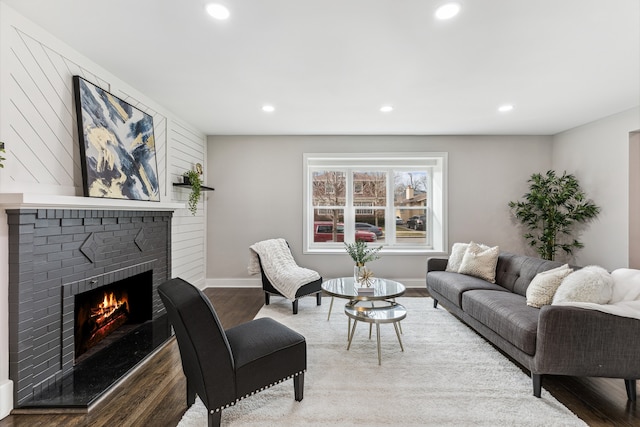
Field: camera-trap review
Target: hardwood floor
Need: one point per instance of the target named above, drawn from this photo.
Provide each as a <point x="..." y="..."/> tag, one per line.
<point x="154" y="395"/>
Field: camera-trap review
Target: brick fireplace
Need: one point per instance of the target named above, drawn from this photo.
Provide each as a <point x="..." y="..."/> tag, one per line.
<point x="56" y="255"/>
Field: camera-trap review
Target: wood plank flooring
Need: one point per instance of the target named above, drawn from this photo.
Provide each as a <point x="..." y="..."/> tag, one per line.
<point x="154" y="395"/>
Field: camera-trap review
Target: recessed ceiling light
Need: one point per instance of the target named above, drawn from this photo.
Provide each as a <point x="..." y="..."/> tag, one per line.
<point x="505" y="108"/>
<point x="268" y="108"/>
<point x="218" y="11"/>
<point x="447" y="11"/>
<point x="386" y="108"/>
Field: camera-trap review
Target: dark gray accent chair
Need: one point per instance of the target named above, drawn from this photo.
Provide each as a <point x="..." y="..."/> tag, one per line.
<point x="310" y="288"/>
<point x="224" y="366"/>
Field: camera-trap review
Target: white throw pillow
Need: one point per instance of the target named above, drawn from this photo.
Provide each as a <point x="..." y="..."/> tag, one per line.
<point x="457" y="253"/>
<point x="626" y="285"/>
<point x="455" y="259"/>
<point x="480" y="262"/>
<point x="544" y="286"/>
<point x="589" y="284"/>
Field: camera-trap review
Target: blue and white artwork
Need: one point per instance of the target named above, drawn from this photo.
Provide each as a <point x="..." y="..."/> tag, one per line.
<point x="116" y="144"/>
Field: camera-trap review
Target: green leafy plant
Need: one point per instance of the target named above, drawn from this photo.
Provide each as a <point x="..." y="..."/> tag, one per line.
<point x="194" y="180"/>
<point x="2" y="159"/>
<point x="550" y="212"/>
<point x="361" y="253"/>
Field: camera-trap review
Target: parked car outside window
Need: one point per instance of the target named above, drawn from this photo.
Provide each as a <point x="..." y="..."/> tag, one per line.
<point x="411" y="222"/>
<point x="399" y="220"/>
<point x="369" y="227"/>
<point x="416" y="222"/>
<point x="323" y="232"/>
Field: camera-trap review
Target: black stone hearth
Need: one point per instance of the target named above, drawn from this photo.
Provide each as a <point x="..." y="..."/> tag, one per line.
<point x="91" y="379"/>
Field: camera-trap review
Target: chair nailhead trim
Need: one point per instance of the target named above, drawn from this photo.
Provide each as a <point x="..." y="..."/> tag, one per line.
<point x="257" y="391"/>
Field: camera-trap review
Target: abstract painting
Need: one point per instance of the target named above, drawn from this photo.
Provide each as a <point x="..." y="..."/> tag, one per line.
<point x="117" y="146"/>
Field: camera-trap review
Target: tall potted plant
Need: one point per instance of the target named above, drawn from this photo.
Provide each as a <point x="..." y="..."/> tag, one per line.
<point x="550" y="211"/>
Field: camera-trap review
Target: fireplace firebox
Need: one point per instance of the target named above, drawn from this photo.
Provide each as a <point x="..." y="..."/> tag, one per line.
<point x="105" y="314"/>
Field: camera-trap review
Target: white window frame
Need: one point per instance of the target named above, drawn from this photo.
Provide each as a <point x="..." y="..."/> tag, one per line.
<point x="435" y="163"/>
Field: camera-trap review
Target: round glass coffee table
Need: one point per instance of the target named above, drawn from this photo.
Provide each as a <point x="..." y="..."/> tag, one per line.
<point x="383" y="290"/>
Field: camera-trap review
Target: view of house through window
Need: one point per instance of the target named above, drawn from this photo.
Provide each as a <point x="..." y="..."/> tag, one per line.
<point x="390" y="200"/>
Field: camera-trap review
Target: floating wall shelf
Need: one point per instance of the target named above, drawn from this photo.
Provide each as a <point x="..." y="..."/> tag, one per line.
<point x="202" y="187"/>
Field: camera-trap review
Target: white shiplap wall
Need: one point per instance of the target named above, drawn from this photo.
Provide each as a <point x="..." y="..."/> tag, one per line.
<point x="187" y="148"/>
<point x="38" y="126"/>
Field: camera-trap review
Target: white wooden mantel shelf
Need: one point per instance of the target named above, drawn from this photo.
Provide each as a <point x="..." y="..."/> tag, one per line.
<point x="51" y="201"/>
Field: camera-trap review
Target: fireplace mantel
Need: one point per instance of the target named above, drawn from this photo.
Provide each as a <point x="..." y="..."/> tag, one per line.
<point x="50" y="201"/>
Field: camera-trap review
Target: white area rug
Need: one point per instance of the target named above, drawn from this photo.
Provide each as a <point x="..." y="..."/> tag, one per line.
<point x="447" y="376"/>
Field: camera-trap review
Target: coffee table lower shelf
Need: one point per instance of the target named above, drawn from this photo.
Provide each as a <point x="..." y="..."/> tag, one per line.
<point x="391" y="313"/>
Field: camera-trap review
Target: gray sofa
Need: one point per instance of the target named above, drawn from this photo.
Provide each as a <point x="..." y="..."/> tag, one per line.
<point x="555" y="340"/>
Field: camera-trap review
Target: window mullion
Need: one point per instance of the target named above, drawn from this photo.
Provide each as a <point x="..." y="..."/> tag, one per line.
<point x="350" y="210"/>
<point x="390" y="214"/>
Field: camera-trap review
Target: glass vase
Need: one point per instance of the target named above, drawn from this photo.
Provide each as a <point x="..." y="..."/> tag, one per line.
<point x="358" y="269"/>
<point x="362" y="276"/>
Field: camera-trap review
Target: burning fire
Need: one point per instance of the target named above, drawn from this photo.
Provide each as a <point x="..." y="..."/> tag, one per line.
<point x="107" y="307"/>
<point x="97" y="319"/>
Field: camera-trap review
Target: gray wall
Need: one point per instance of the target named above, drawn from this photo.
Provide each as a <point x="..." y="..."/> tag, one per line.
<point x="598" y="154"/>
<point x="258" y="181"/>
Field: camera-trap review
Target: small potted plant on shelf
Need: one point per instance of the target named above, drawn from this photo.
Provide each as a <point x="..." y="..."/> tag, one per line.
<point x="192" y="178"/>
<point x="361" y="254"/>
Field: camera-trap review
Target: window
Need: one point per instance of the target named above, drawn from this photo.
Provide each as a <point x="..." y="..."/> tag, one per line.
<point x="363" y="211"/>
<point x="396" y="200"/>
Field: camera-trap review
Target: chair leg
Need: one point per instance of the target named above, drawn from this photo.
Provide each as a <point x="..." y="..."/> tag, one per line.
<point x="630" y="385"/>
<point x="295" y="307"/>
<point x="191" y="394"/>
<point x="298" y="386"/>
<point x="214" y="419"/>
<point x="267" y="298"/>
<point x="537" y="384"/>
<point x="319" y="298"/>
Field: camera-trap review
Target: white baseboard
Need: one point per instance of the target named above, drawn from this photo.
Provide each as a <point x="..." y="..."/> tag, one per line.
<point x="6" y="398"/>
<point x="257" y="283"/>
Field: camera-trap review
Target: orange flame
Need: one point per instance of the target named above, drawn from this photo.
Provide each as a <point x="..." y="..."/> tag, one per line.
<point x="108" y="306"/>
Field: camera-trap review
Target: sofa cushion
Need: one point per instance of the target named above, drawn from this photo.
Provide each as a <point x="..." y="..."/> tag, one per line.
<point x="515" y="272"/>
<point x="506" y="314"/>
<point x="480" y="262"/>
<point x="453" y="285"/>
<point x="544" y="286"/>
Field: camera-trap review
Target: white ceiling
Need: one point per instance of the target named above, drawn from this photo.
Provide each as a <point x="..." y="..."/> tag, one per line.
<point x="329" y="65"/>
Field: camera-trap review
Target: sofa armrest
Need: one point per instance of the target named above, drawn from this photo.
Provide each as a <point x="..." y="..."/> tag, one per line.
<point x="436" y="264"/>
<point x="582" y="342"/>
